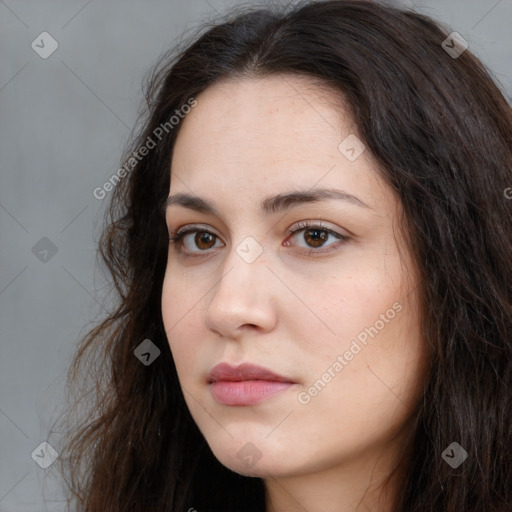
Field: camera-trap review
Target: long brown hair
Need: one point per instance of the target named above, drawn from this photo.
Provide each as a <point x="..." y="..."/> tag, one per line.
<point x="441" y="131"/>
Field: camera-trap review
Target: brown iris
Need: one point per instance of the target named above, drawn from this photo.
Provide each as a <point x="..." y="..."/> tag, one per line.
<point x="315" y="237"/>
<point x="204" y="238"/>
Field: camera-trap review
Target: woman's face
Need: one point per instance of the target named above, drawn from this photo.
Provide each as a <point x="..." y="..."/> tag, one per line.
<point x="328" y="315"/>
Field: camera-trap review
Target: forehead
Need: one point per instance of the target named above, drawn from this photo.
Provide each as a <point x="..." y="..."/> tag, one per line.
<point x="259" y="135"/>
<point x="268" y="117"/>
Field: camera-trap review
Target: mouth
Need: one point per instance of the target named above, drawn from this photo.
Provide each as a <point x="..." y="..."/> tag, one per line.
<point x="246" y="384"/>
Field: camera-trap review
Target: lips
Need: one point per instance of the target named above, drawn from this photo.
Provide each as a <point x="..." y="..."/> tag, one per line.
<point x="245" y="371"/>
<point x="245" y="384"/>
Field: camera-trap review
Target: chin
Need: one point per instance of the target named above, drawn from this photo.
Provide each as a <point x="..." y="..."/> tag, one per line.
<point x="261" y="468"/>
<point x="257" y="457"/>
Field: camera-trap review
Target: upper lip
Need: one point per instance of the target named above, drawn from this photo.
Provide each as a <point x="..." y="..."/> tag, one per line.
<point x="244" y="371"/>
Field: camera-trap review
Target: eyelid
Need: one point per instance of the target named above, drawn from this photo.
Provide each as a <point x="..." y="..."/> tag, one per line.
<point x="295" y="227"/>
<point x="177" y="237"/>
<point x="310" y="224"/>
<point x="192" y="227"/>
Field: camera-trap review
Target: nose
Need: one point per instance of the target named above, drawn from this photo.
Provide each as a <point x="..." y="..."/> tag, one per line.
<point x="243" y="298"/>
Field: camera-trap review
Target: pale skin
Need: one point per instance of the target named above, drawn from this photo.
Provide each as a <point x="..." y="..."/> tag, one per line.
<point x="288" y="311"/>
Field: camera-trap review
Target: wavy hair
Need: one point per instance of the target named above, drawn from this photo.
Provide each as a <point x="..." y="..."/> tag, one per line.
<point x="441" y="131"/>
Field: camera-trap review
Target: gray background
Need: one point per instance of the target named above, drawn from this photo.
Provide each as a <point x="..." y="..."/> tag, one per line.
<point x="63" y="123"/>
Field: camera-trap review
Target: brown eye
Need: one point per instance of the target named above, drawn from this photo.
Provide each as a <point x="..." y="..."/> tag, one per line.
<point x="315" y="237"/>
<point x="194" y="241"/>
<point x="204" y="240"/>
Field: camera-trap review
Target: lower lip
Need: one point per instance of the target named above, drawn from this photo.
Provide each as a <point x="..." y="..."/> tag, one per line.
<point x="246" y="392"/>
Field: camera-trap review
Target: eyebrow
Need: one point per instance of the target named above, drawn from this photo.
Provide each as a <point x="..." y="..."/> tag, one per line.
<point x="270" y="205"/>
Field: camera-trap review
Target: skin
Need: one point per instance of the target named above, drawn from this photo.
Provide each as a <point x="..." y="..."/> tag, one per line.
<point x="288" y="311"/>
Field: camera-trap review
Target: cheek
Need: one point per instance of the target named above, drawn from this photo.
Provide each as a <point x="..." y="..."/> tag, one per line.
<point x="179" y="310"/>
<point x="373" y="322"/>
<point x="357" y="305"/>
<point x="180" y="298"/>
<point x="170" y="304"/>
<point x="382" y="360"/>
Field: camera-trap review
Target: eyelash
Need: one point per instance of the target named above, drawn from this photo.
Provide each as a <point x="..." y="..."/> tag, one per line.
<point x="301" y="226"/>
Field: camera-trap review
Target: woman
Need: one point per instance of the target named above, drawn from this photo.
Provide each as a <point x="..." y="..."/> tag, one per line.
<point x="311" y="244"/>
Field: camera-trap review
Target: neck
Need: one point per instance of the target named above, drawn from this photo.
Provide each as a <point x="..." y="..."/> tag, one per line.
<point x="360" y="485"/>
